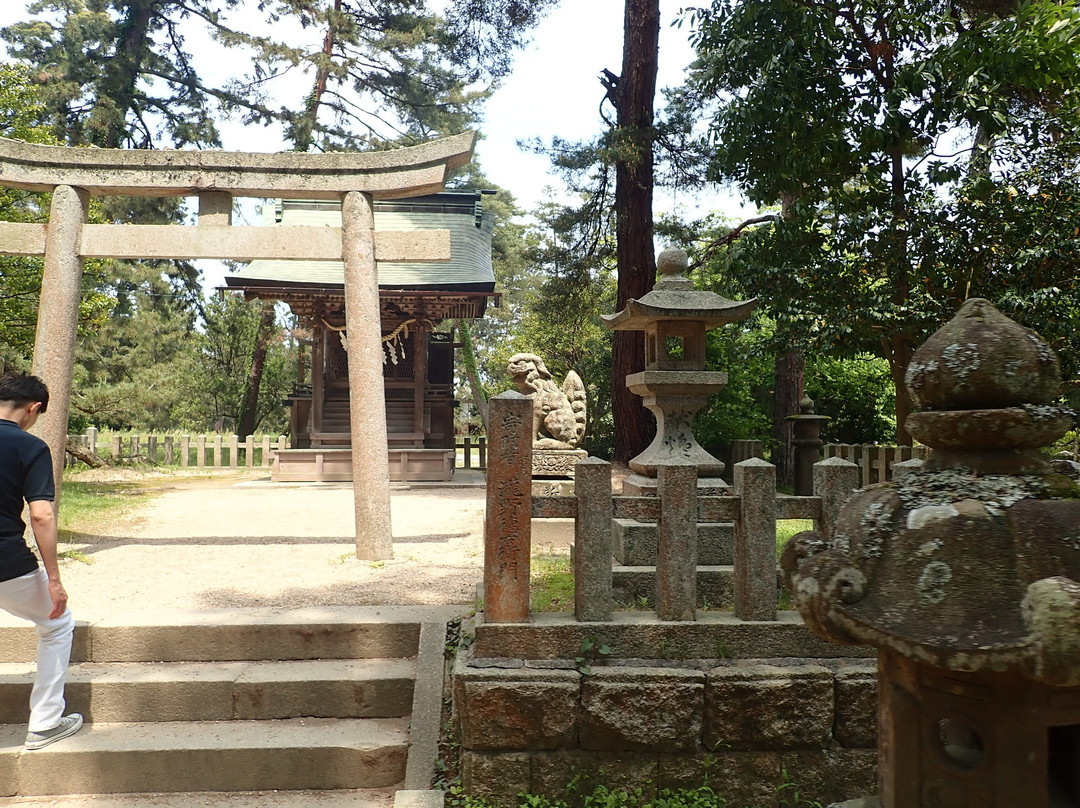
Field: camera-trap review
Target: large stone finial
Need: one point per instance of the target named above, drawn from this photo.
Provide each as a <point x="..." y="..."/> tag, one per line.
<point x="984" y="386"/>
<point x="935" y="566"/>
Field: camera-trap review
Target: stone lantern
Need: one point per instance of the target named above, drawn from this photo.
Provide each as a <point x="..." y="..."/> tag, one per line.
<point x="963" y="574"/>
<point x="674" y="384"/>
<point x="806" y="427"/>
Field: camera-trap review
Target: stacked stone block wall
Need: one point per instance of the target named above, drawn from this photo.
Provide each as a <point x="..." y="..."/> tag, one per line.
<point x="756" y="731"/>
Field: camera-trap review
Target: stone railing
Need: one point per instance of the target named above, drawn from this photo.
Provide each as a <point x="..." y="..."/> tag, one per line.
<point x="199" y="451"/>
<point x="875" y="462"/>
<point x="753" y="507"/>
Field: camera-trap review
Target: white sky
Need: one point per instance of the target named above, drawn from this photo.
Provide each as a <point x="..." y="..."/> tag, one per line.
<point x="552" y="91"/>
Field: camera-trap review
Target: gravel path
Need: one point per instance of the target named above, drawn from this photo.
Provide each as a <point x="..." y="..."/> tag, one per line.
<point x="221" y="543"/>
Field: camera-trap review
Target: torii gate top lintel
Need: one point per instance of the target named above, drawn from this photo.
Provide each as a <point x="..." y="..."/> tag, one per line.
<point x="403" y="172"/>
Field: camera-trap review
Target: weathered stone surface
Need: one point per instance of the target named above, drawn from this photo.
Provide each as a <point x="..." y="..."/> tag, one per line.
<point x="507" y="520"/>
<point x="573" y="774"/>
<point x="714" y="635"/>
<point x="982" y="359"/>
<point x="855" y="721"/>
<point x="367" y="401"/>
<point x="558" y="412"/>
<point x="389" y="173"/>
<point x="768" y="707"/>
<point x="642" y="709"/>
<point x="517" y="709"/>
<point x="496" y="777"/>
<point x="747" y="779"/>
<point x="676" y="555"/>
<point x="905" y="467"/>
<point x="829" y="775"/>
<point x="592" y="542"/>
<point x="58" y="319"/>
<point x="556" y="462"/>
<point x="834" y="480"/>
<point x="635" y="543"/>
<point x="755" y="540"/>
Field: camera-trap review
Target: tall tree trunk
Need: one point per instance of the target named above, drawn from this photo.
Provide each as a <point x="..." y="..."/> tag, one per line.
<point x="787" y="393"/>
<point x="301" y="130"/>
<point x="468" y="356"/>
<point x="900" y="351"/>
<point x="633" y="96"/>
<point x="117" y="95"/>
<point x="258" y="359"/>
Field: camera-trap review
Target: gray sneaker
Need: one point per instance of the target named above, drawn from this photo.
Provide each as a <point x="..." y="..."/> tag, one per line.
<point x="68" y="726"/>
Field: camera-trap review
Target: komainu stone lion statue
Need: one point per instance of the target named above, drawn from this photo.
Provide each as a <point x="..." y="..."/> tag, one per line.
<point x="558" y="414"/>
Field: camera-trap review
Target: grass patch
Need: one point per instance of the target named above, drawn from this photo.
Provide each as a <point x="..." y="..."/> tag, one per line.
<point x="86" y="507"/>
<point x="552" y="583"/>
<point x="76" y="555"/>
<point x="786" y="528"/>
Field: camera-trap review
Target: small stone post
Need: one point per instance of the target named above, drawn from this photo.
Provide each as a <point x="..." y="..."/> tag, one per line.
<point x="234" y="451"/>
<point x="267" y="454"/>
<point x="834" y="480"/>
<point x="217" y="451"/>
<point x="592" y="540"/>
<point x="58" y="319"/>
<point x="200" y="451"/>
<point x="185" y="450"/>
<point x="676" y="558"/>
<point x="755" y="540"/>
<point x="117" y="448"/>
<point x="367" y="407"/>
<point x="905" y="467"/>
<point x="508" y="518"/>
<point x="249" y="451"/>
<point x="91" y="440"/>
<point x="170" y="454"/>
<point x="151" y="449"/>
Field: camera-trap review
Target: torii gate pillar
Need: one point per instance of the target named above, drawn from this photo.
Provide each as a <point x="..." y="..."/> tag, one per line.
<point x="367" y="398"/>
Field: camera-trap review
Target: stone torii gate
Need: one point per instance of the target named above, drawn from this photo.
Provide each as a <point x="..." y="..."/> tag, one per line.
<point x="73" y="175"/>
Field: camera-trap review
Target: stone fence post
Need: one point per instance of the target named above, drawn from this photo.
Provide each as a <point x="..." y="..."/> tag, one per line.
<point x="91" y="440"/>
<point x="834" y="480"/>
<point x="507" y="519"/>
<point x="755" y="540"/>
<point x="592" y="540"/>
<point x="676" y="557"/>
<point x="905" y="467"/>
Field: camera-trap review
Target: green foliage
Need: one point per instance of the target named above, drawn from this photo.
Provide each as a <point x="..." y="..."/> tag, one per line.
<point x="919" y="154"/>
<point x="592" y="650"/>
<point x="856" y="394"/>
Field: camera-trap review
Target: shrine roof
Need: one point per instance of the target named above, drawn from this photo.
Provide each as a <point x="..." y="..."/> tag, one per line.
<point x="460" y="213"/>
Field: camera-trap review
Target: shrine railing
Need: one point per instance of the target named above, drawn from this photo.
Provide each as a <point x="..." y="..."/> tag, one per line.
<point x="875" y="462"/>
<point x="753" y="507"/>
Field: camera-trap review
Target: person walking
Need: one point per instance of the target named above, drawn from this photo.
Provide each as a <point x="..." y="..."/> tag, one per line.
<point x="26" y="590"/>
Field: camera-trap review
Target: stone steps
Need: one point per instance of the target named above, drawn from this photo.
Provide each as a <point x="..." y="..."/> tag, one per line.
<point x="342" y="798"/>
<point x="296" y="753"/>
<point x="230" y="702"/>
<point x="222" y="691"/>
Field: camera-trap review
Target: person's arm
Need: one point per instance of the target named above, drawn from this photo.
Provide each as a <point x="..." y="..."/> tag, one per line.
<point x="43" y="520"/>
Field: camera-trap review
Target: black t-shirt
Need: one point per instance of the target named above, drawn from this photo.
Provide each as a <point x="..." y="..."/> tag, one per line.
<point x="25" y="475"/>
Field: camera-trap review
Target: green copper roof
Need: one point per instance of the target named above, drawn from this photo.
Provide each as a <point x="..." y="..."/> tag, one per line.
<point x="460" y="213"/>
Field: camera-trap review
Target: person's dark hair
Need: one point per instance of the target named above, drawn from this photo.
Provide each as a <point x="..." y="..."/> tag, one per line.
<point x="22" y="388"/>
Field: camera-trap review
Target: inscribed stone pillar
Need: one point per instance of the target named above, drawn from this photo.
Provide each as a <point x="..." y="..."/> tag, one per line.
<point x="58" y="318"/>
<point x="367" y="398"/>
<point x="755" y="540"/>
<point x="676" y="558"/>
<point x="592" y="540"/>
<point x="508" y="518"/>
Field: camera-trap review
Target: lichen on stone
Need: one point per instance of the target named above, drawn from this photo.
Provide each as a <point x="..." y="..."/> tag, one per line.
<point x="962" y="360"/>
<point x="1046" y="355"/>
<point x="997" y="492"/>
<point x="930" y="547"/>
<point x="931" y="584"/>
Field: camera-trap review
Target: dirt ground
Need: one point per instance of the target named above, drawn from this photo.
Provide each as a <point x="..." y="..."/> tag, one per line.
<point x="242" y="541"/>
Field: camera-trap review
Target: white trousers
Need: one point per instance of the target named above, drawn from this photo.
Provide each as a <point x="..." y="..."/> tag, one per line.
<point x="28" y="597"/>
